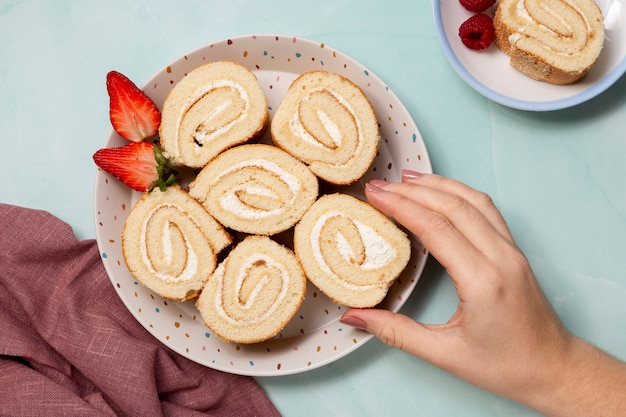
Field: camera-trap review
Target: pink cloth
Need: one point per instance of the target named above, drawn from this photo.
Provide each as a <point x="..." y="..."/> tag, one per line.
<point x="69" y="347"/>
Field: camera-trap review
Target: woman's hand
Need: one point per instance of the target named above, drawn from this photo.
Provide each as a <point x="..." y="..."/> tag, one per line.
<point x="504" y="336"/>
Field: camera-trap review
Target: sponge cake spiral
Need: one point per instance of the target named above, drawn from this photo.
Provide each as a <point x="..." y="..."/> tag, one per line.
<point x="254" y="292"/>
<point x="214" y="107"/>
<point x="170" y="243"/>
<point x="256" y="189"/>
<point x="349" y="250"/>
<point x="556" y="41"/>
<point x="326" y="121"/>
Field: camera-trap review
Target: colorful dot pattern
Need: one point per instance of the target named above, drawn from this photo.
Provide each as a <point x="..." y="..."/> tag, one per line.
<point x="315" y="336"/>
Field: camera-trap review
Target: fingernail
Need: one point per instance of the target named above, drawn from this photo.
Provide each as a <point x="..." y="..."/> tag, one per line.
<point x="374" y="186"/>
<point x="354" y="322"/>
<point x="408" y="174"/>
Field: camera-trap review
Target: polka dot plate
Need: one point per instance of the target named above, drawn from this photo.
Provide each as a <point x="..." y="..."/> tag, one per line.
<point x="314" y="337"/>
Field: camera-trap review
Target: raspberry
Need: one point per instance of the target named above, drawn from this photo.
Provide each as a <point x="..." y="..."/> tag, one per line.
<point x="477" y="5"/>
<point x="477" y="32"/>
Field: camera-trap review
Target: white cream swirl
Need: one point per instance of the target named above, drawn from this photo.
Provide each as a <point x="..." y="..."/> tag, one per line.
<point x="234" y="200"/>
<point x="210" y="112"/>
<point x="254" y="292"/>
<point x="170" y="243"/>
<point x="567" y="34"/>
<point x="361" y="252"/>
<point x="243" y="304"/>
<point x="327" y="121"/>
<point x="349" y="250"/>
<point x="255" y="189"/>
<point x="163" y="229"/>
<point x="217" y="105"/>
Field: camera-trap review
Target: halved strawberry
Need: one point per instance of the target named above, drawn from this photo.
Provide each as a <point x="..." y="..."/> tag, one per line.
<point x="133" y="114"/>
<point x="139" y="165"/>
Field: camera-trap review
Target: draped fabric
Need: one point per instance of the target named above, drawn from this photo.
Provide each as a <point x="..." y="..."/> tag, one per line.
<point x="69" y="347"/>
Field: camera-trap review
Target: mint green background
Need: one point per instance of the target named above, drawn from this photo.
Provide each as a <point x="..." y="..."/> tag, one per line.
<point x="559" y="177"/>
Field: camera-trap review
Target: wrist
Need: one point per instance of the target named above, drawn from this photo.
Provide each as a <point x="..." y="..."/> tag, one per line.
<point x="583" y="381"/>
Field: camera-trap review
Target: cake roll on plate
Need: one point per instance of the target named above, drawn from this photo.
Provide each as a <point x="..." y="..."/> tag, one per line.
<point x="254" y="292"/>
<point x="349" y="250"/>
<point x="170" y="243"/>
<point x="214" y="107"/>
<point x="326" y="121"/>
<point x="557" y="41"/>
<point x="255" y="189"/>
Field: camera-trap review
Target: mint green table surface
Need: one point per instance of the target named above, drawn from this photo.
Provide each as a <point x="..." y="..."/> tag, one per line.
<point x="559" y="177"/>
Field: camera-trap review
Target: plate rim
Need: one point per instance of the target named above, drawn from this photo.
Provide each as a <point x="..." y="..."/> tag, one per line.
<point x="593" y="91"/>
<point x="363" y="336"/>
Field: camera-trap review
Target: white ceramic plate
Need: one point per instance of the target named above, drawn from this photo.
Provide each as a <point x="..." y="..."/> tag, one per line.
<point x="488" y="71"/>
<point x="315" y="336"/>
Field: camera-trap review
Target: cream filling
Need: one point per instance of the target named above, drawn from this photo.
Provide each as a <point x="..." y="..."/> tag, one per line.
<point x="218" y="275"/>
<point x="201" y="91"/>
<point x="378" y="252"/>
<point x="522" y="12"/>
<point x="333" y="130"/>
<point x="231" y="202"/>
<point x="331" y="127"/>
<point x="191" y="268"/>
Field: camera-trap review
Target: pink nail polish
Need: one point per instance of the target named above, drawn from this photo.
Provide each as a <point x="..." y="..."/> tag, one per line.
<point x="373" y="187"/>
<point x="354" y="322"/>
<point x="408" y="174"/>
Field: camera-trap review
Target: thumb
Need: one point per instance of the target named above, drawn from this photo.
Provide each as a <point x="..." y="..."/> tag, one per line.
<point x="401" y="332"/>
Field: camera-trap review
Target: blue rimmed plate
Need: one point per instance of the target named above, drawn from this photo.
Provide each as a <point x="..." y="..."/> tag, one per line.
<point x="489" y="73"/>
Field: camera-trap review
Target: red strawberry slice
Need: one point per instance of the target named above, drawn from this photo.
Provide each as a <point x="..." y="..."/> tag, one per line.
<point x="133" y="114"/>
<point x="139" y="165"/>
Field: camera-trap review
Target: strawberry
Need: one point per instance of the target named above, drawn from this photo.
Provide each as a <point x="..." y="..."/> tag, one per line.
<point x="139" y="165"/>
<point x="133" y="114"/>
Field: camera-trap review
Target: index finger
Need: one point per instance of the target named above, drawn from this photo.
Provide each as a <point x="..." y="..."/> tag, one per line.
<point x="482" y="201"/>
<point x="438" y="234"/>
